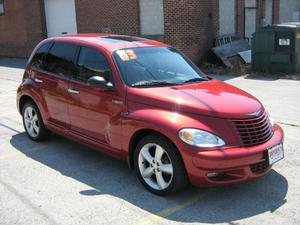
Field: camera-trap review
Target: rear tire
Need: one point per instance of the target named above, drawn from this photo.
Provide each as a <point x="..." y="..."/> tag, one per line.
<point x="159" y="166"/>
<point x="33" y="123"/>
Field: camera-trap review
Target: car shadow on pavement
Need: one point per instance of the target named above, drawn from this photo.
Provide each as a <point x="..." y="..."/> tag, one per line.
<point x="109" y="176"/>
<point x="262" y="77"/>
<point x="18" y="63"/>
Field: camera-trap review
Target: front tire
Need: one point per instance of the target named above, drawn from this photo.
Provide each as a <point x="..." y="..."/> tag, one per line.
<point x="33" y="123"/>
<point x="159" y="166"/>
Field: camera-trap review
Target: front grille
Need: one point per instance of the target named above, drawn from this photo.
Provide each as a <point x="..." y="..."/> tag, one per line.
<point x="254" y="131"/>
<point x="260" y="167"/>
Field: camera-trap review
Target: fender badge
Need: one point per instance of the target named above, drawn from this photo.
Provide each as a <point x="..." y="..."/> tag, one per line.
<point x="255" y="113"/>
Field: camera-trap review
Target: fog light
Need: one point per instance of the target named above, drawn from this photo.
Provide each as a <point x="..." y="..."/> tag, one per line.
<point x="212" y="175"/>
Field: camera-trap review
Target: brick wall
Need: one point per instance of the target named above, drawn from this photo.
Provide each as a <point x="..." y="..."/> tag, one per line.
<point x="276" y="8"/>
<point x="191" y="26"/>
<point x="35" y="23"/>
<point x="13" y="36"/>
<point x="21" y="28"/>
<point x="240" y="16"/>
<point x="260" y="11"/>
<point x="108" y="16"/>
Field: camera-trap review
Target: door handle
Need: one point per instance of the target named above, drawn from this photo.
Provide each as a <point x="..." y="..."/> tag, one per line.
<point x="37" y="80"/>
<point x="117" y="102"/>
<point x="73" y="91"/>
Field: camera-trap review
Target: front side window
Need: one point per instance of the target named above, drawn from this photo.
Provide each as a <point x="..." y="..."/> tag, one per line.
<point x="91" y="63"/>
<point x="60" y="59"/>
<point x="2" y="11"/>
<point x="156" y="66"/>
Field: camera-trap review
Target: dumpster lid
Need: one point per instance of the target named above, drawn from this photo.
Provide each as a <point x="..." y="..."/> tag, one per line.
<point x="291" y="25"/>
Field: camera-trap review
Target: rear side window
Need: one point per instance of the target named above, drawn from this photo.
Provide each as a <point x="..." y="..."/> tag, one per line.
<point x="60" y="59"/>
<point x="91" y="63"/>
<point x="38" y="61"/>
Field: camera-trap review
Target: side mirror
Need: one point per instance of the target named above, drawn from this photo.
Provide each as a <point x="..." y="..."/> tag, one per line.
<point x="100" y="82"/>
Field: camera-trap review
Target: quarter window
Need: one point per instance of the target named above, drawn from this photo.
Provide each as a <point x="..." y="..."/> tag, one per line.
<point x="38" y="60"/>
<point x="91" y="63"/>
<point x="60" y="59"/>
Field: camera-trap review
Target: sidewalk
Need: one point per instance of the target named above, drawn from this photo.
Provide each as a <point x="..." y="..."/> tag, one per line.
<point x="12" y="68"/>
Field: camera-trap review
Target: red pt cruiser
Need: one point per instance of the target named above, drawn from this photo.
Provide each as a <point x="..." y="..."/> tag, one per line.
<point x="145" y="102"/>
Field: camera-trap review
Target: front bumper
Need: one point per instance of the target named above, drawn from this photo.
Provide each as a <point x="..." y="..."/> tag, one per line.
<point x="232" y="165"/>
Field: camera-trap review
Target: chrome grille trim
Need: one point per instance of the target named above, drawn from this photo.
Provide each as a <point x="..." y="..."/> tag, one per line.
<point x="254" y="131"/>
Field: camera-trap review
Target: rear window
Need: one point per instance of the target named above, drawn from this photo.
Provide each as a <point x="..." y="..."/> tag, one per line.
<point x="60" y="59"/>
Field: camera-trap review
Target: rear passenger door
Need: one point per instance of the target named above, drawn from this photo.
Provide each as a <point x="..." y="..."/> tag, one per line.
<point x="93" y="111"/>
<point x="53" y="78"/>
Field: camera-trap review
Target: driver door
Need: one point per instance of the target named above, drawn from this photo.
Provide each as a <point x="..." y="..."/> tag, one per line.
<point x="93" y="111"/>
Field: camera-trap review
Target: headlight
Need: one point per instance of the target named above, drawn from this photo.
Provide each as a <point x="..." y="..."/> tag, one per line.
<point x="200" y="138"/>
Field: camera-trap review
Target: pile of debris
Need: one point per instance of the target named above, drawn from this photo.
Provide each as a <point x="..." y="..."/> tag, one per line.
<point x="232" y="50"/>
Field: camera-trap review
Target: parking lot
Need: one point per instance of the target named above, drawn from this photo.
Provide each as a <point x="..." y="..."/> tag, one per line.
<point x="62" y="182"/>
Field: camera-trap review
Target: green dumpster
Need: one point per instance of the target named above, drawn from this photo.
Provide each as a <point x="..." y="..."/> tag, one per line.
<point x="277" y="48"/>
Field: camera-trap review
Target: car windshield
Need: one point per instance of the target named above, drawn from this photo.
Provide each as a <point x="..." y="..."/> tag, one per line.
<point x="156" y="66"/>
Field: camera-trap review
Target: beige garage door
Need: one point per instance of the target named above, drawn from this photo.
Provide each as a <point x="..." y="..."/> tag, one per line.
<point x="60" y="17"/>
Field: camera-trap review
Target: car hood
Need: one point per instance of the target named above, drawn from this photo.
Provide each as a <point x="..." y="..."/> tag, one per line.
<point x="212" y="98"/>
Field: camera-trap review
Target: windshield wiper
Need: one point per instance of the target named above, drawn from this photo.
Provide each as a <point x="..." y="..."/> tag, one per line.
<point x="195" y="80"/>
<point x="152" y="83"/>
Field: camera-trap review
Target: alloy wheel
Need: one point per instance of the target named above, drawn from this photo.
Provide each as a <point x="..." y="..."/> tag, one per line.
<point x="31" y="121"/>
<point x="155" y="166"/>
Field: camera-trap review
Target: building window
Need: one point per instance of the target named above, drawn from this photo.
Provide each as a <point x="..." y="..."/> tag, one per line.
<point x="1" y="7"/>
<point x="227" y="17"/>
<point x="152" y="17"/>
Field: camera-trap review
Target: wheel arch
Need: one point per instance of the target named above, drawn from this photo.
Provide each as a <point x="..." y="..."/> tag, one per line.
<point x="26" y="98"/>
<point x="138" y="135"/>
<point x="23" y="100"/>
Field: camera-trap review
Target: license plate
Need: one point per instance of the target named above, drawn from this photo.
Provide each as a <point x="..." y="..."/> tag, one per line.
<point x="275" y="153"/>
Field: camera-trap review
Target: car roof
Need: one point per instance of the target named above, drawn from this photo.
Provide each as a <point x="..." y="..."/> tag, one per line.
<point x="110" y="42"/>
